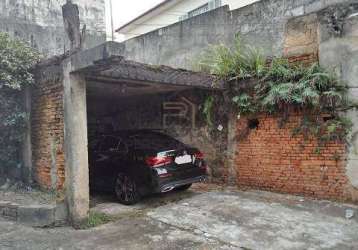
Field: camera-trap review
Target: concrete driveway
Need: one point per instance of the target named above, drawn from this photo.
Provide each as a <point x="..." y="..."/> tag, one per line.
<point x="209" y="220"/>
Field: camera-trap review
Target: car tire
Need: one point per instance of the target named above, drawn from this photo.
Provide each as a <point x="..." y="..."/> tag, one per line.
<point x="184" y="187"/>
<point x="126" y="189"/>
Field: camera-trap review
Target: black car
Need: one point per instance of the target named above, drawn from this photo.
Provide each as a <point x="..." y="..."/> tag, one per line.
<point x="136" y="163"/>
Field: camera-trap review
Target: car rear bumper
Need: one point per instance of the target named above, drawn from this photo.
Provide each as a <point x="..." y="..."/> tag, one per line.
<point x="171" y="185"/>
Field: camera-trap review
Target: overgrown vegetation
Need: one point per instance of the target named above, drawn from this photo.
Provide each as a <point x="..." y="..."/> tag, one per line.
<point x="16" y="61"/>
<point x="255" y="86"/>
<point x="96" y="219"/>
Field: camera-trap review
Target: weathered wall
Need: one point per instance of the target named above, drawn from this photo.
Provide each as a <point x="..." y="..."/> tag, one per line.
<point x="166" y="17"/>
<point x="47" y="127"/>
<point x="332" y="35"/>
<point x="270" y="157"/>
<point x="339" y="51"/>
<point x="39" y="22"/>
<point x="262" y="24"/>
<point x="150" y="112"/>
<point x="329" y="35"/>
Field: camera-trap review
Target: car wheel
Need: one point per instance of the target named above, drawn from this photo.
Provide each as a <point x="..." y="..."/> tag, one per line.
<point x="126" y="190"/>
<point x="184" y="187"/>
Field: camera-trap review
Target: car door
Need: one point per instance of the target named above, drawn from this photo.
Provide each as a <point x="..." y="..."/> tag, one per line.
<point x="102" y="162"/>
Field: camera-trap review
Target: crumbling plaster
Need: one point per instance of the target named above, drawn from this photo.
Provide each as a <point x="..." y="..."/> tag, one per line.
<point x="40" y="23"/>
<point x="340" y="52"/>
<point x="262" y="24"/>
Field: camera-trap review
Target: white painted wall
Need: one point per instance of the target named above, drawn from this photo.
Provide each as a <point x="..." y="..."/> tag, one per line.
<point x="236" y="4"/>
<point x="172" y="15"/>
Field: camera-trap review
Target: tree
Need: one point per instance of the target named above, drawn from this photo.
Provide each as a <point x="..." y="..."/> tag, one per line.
<point x="16" y="63"/>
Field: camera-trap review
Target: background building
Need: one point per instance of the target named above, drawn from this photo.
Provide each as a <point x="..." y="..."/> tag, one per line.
<point x="172" y="11"/>
<point x="40" y="23"/>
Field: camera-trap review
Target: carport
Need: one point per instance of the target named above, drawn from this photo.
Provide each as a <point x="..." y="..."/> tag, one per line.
<point x="102" y="76"/>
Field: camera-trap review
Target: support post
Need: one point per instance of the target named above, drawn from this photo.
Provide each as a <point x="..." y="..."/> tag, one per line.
<point x="27" y="147"/>
<point x="76" y="153"/>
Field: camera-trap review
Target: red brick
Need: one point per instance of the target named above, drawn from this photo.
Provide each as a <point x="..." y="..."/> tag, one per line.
<point x="270" y="158"/>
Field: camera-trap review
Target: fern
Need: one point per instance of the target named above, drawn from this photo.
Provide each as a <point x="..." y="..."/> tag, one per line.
<point x="244" y="103"/>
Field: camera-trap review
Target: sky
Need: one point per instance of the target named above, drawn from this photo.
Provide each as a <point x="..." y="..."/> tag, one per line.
<point x="124" y="11"/>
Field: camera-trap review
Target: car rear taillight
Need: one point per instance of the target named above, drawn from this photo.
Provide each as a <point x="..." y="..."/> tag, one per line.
<point x="157" y="161"/>
<point x="199" y="159"/>
<point x="199" y="155"/>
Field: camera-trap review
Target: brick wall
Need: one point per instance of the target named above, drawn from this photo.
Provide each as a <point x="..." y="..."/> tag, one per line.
<point x="48" y="127"/>
<point x="301" y="40"/>
<point x="270" y="158"/>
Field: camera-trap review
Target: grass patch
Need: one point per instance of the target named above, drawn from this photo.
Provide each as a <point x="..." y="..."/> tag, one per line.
<point x="96" y="219"/>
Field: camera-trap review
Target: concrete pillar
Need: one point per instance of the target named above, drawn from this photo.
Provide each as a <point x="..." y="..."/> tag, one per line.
<point x="27" y="147"/>
<point x="76" y="154"/>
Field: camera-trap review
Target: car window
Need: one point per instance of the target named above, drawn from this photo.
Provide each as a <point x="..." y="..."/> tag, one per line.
<point x="109" y="143"/>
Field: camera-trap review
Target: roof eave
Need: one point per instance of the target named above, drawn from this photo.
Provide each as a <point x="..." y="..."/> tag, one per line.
<point x="130" y="25"/>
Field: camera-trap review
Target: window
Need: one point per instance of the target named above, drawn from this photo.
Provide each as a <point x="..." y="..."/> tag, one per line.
<point x="211" y="5"/>
<point x="202" y="9"/>
<point x="214" y="4"/>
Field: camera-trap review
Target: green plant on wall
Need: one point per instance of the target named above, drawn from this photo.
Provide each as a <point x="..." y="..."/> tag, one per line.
<point x="256" y="86"/>
<point x="16" y="62"/>
<point x="208" y="109"/>
<point x="239" y="62"/>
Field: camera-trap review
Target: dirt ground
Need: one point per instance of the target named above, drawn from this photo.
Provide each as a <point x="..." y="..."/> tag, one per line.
<point x="205" y="217"/>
